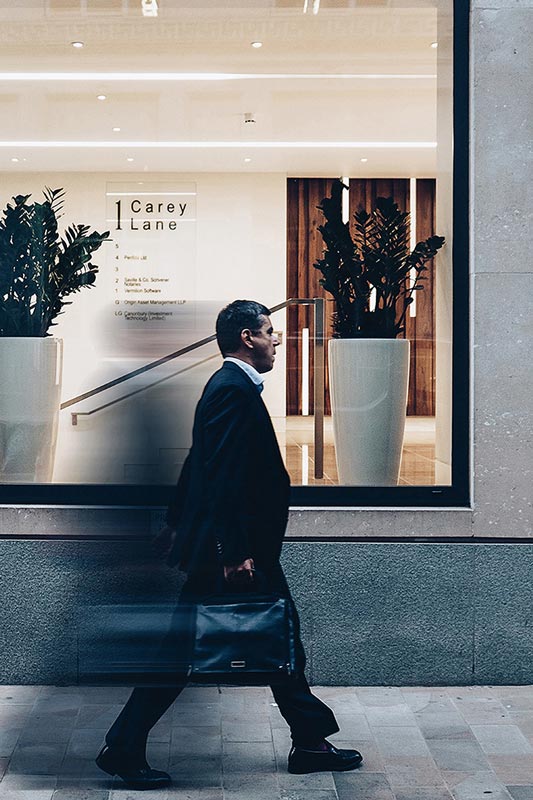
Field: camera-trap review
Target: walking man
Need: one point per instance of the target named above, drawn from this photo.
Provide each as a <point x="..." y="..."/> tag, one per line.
<point x="234" y="491"/>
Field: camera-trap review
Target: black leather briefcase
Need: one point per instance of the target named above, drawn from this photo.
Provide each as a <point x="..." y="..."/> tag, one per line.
<point x="243" y="639"/>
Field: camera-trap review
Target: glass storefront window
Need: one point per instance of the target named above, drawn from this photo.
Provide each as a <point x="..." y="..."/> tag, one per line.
<point x="204" y="138"/>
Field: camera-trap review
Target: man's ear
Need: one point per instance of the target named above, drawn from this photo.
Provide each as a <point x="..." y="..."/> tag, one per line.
<point x="246" y="338"/>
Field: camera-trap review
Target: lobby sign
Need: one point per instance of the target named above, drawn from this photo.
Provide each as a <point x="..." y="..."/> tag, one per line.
<point x="152" y="259"/>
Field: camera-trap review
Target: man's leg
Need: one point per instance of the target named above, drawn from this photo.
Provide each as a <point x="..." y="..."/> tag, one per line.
<point x="125" y="751"/>
<point x="309" y="719"/>
<point x="145" y="706"/>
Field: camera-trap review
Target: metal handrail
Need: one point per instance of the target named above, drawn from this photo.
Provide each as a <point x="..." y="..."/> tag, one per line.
<point x="318" y="376"/>
<point x="136" y="372"/>
<point x="76" y="414"/>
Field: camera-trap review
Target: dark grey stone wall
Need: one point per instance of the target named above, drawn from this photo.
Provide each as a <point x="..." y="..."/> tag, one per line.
<point x="372" y="614"/>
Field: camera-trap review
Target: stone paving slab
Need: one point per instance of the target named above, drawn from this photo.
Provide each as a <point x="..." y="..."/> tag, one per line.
<point x="419" y="743"/>
<point x="521" y="792"/>
<point x="423" y="794"/>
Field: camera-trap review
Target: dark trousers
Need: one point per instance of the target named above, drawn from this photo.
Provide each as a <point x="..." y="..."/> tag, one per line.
<point x="309" y="719"/>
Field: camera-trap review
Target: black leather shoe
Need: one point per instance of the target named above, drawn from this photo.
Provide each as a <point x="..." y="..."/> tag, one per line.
<point x="302" y="761"/>
<point x="137" y="776"/>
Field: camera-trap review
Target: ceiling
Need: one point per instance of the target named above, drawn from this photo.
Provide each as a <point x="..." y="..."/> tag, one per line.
<point x="355" y="81"/>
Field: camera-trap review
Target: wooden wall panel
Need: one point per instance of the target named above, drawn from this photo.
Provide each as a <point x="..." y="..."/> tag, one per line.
<point x="364" y="191"/>
<point x="305" y="246"/>
<point x="421" y="328"/>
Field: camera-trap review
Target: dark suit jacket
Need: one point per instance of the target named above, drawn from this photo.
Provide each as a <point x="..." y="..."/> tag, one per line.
<point x="234" y="486"/>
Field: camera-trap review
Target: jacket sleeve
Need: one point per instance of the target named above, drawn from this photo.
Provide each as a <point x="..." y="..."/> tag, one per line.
<point x="229" y="464"/>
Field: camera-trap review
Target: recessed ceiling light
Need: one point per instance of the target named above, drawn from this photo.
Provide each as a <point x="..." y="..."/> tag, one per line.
<point x="102" y="97"/>
<point x="434" y="45"/>
<point x="129" y="158"/>
<point x="14" y="159"/>
<point x="77" y="45"/>
<point x="247" y="160"/>
<point x="116" y="130"/>
<point x="149" y="8"/>
<point x="257" y="45"/>
<point x="364" y="160"/>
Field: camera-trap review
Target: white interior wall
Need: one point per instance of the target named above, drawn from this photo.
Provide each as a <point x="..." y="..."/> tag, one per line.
<point x="240" y="253"/>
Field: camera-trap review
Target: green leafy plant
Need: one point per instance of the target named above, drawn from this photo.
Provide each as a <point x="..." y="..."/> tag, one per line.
<point x="38" y="268"/>
<point x="373" y="274"/>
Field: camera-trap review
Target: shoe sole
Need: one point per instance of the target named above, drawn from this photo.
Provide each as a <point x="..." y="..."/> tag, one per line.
<point x="133" y="784"/>
<point x="100" y="762"/>
<point x="344" y="768"/>
<point x="141" y="787"/>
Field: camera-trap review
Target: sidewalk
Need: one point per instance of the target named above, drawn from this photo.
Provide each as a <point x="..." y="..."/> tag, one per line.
<point x="467" y="743"/>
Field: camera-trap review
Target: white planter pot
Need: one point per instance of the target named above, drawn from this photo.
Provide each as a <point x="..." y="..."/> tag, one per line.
<point x="368" y="386"/>
<point x="30" y="389"/>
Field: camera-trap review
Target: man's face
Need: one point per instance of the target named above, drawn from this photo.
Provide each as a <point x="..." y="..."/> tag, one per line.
<point x="264" y="342"/>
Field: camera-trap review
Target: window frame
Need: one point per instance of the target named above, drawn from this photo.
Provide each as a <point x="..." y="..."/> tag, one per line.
<point x="455" y="495"/>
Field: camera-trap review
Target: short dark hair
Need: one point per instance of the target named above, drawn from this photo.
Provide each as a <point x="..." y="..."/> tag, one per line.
<point x="235" y="318"/>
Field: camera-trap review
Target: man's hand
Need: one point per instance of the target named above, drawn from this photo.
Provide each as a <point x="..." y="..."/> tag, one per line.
<point x="163" y="542"/>
<point x="241" y="573"/>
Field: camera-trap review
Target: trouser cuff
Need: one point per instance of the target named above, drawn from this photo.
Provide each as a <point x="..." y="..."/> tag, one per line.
<point x="304" y="739"/>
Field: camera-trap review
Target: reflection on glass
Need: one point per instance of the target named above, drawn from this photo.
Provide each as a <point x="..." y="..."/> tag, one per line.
<point x="214" y="197"/>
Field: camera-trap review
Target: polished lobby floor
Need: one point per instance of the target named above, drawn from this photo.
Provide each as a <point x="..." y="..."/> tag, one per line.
<point x="418" y="465"/>
<point x="145" y="455"/>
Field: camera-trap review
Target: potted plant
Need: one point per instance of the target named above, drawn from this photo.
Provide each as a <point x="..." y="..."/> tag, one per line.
<point x="372" y="274"/>
<point x="38" y="271"/>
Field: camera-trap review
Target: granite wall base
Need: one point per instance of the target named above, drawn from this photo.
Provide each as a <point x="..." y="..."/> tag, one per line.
<point x="372" y="614"/>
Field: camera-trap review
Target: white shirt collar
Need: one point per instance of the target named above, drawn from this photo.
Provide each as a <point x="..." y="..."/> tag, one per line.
<point x="252" y="373"/>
